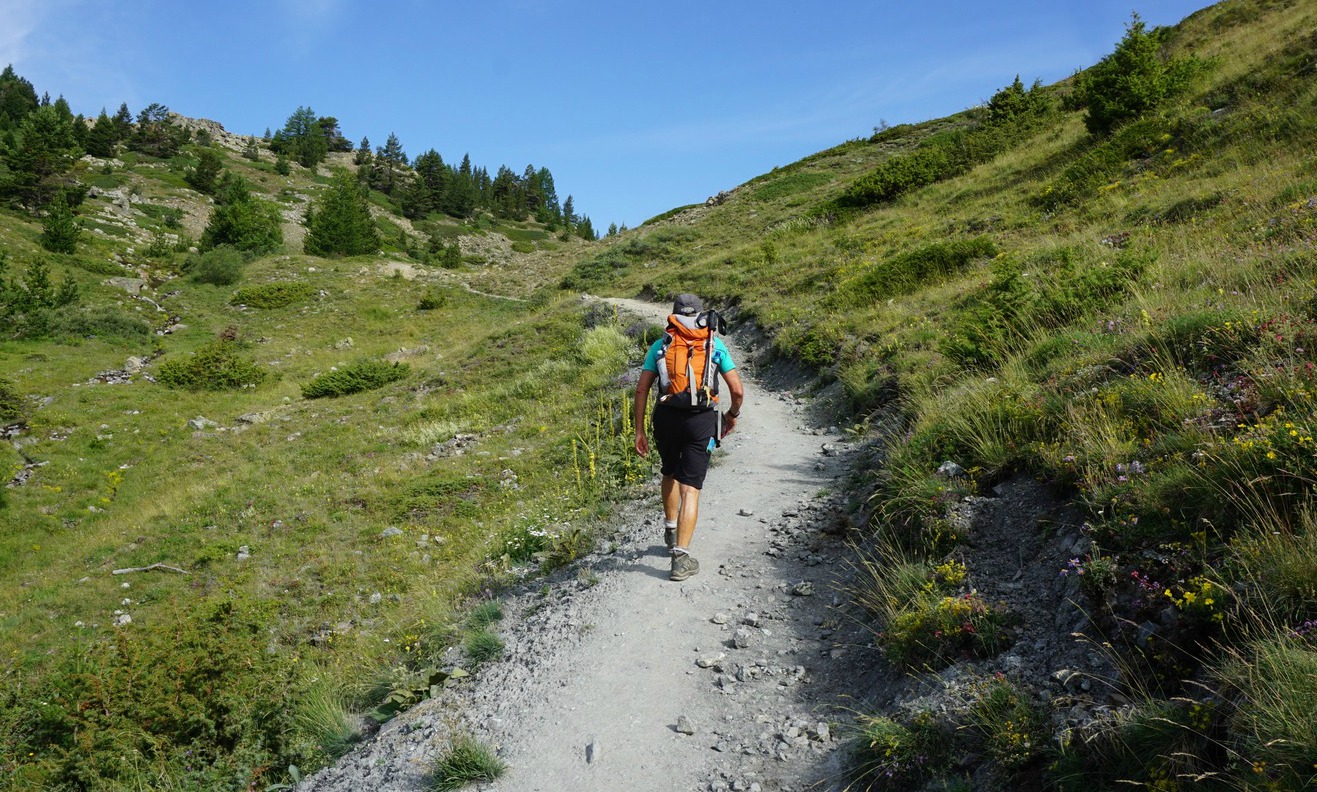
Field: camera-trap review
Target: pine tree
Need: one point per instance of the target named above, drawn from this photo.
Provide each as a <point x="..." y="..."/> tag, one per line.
<point x="44" y="148"/>
<point x="123" y="123"/>
<point x="155" y="135"/>
<point x="101" y="137"/>
<point x="568" y="213"/>
<point x="60" y="228"/>
<point x="242" y="220"/>
<point x="17" y="98"/>
<point x="205" y="177"/>
<point x="390" y="159"/>
<point x="302" y="138"/>
<point x="339" y="223"/>
<point x="363" y="156"/>
<point x="334" y="139"/>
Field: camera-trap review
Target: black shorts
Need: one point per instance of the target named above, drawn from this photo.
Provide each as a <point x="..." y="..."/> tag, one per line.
<point x="685" y="442"/>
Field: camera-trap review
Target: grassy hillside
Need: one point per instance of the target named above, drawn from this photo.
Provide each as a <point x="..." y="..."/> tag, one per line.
<point x="332" y="460"/>
<point x="1128" y="317"/>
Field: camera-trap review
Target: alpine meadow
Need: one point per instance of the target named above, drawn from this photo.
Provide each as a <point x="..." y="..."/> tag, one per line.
<point x="286" y="415"/>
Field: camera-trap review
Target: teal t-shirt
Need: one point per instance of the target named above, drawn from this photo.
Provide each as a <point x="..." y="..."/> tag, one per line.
<point x="721" y="357"/>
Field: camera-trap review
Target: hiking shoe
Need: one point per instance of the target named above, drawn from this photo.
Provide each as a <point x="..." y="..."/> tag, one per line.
<point x="670" y="537"/>
<point x="683" y="566"/>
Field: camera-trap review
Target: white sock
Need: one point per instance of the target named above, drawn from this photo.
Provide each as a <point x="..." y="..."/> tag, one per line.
<point x="670" y="525"/>
<point x="676" y="551"/>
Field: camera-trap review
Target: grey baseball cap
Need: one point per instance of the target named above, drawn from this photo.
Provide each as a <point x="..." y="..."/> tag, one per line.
<point x="687" y="305"/>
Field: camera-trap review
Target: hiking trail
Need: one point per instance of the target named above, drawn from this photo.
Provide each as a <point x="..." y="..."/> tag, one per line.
<point x="609" y="664"/>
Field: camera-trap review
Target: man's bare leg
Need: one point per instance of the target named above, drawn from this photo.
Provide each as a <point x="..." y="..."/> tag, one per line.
<point x="687" y="514"/>
<point x="671" y="499"/>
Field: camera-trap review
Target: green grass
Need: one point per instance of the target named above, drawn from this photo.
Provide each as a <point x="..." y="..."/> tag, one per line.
<point x="466" y="762"/>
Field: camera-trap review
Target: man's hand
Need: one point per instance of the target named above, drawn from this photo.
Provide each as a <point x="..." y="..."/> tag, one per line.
<point x="729" y="423"/>
<point x="642" y="444"/>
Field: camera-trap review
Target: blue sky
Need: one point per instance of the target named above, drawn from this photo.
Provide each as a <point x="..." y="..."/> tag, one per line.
<point x="635" y="107"/>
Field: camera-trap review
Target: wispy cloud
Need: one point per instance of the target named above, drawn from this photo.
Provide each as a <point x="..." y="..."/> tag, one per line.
<point x="20" y="20"/>
<point x="309" y="21"/>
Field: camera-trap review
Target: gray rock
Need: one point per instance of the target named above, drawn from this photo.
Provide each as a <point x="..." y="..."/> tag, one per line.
<point x="684" y="725"/>
<point x="134" y="364"/>
<point x="592" y="752"/>
<point x="803" y="589"/>
<point x="741" y="638"/>
<point x="344" y="344"/>
<point x="253" y="418"/>
<point x="751" y="619"/>
<point x="392" y="530"/>
<point x="745" y="512"/>
<point x="201" y="423"/>
<point x="131" y="285"/>
<point x="122" y="620"/>
<point x="719" y="618"/>
<point x="244" y="553"/>
<point x="950" y="469"/>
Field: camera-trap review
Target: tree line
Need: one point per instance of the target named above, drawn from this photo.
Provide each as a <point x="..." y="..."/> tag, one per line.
<point x="41" y="140"/>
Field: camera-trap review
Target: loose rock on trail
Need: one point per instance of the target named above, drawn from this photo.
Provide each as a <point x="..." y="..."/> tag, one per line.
<point x="615" y="678"/>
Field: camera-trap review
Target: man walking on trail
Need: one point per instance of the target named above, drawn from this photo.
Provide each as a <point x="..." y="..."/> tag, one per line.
<point x="686" y="361"/>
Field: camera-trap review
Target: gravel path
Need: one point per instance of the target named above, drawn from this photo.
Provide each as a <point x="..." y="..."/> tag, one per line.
<point x="617" y="679"/>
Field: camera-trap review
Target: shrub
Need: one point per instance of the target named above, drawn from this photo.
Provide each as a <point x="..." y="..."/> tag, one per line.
<point x="1130" y="82"/>
<point x="216" y="714"/>
<point x="466" y="762"/>
<point x="11" y="402"/>
<point x="1010" y="723"/>
<point x="99" y="321"/>
<point x="907" y="272"/>
<point x="433" y="299"/>
<point x="272" y="295"/>
<point x="890" y="755"/>
<point x="220" y="365"/>
<point x="667" y="245"/>
<point x="605" y="346"/>
<point x="1149" y="747"/>
<point x="362" y="375"/>
<point x="936" y="631"/>
<point x="220" y="266"/>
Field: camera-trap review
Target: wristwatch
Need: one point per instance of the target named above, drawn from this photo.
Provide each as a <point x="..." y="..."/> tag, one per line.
<point x="731" y="414"/>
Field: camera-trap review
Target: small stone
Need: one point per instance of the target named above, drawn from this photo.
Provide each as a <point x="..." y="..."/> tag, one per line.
<point x="684" y="725"/>
<point x="741" y="638"/>
<point x="710" y="662"/>
<point x="376" y="598"/>
<point x="751" y="619"/>
<point x="201" y="423"/>
<point x="745" y="512"/>
<point x="950" y="469"/>
<point x="392" y="530"/>
<point x="122" y="620"/>
<point x="592" y="752"/>
<point x="244" y="553"/>
<point x="719" y="618"/>
<point x="803" y="589"/>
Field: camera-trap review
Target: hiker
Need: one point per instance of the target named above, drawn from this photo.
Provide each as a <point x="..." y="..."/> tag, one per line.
<point x="686" y="361"/>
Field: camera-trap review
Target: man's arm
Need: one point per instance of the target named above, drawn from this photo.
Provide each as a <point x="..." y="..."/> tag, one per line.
<point x="638" y="411"/>
<point x="737" y="391"/>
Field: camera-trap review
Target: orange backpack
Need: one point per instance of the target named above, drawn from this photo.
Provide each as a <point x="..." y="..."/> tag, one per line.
<point x="688" y="375"/>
